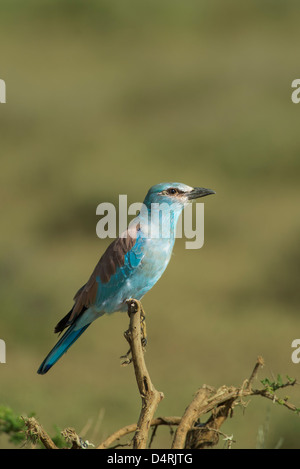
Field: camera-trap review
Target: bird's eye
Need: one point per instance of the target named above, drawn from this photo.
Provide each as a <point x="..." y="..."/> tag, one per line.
<point x="172" y="191"/>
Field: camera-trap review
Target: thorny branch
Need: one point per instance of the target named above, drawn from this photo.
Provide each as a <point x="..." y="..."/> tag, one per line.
<point x="190" y="433"/>
<point x="35" y="432"/>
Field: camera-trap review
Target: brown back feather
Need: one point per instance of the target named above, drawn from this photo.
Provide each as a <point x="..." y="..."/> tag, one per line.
<point x="112" y="259"/>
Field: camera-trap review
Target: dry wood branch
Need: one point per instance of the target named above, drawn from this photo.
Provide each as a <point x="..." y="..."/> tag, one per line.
<point x="190" y="433"/>
<point x="190" y="416"/>
<point x="36" y="432"/>
<point x="221" y="403"/>
<point x="75" y="440"/>
<point x="169" y="421"/>
<point x="207" y="435"/>
<point x="150" y="396"/>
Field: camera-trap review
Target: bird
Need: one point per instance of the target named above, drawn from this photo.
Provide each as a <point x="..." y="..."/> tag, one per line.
<point x="130" y="266"/>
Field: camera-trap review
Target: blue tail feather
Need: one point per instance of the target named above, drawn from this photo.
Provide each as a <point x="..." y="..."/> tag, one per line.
<point x="64" y="343"/>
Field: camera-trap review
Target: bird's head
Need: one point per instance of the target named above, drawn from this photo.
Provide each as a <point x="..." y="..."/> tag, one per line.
<point x="174" y="193"/>
<point x="163" y="205"/>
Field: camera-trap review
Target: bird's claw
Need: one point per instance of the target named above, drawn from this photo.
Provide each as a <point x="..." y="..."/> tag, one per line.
<point x="144" y="342"/>
<point x="143" y="329"/>
<point x="127" y="358"/>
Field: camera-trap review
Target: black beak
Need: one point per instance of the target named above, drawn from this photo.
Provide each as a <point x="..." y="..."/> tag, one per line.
<point x="198" y="192"/>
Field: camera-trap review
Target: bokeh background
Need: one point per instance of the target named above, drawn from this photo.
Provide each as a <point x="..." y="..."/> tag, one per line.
<point x="106" y="98"/>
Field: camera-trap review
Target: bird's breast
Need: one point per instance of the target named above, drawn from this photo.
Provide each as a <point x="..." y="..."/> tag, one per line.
<point x="157" y="254"/>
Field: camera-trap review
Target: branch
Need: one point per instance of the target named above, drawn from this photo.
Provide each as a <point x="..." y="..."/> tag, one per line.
<point x="191" y="433"/>
<point x="36" y="432"/>
<point x="170" y="421"/>
<point x="221" y="404"/>
<point x="150" y="396"/>
<point x="76" y="441"/>
<point x="190" y="416"/>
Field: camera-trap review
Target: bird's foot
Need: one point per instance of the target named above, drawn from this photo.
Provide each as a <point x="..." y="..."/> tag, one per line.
<point x="132" y="308"/>
<point x="127" y="358"/>
<point x="143" y="329"/>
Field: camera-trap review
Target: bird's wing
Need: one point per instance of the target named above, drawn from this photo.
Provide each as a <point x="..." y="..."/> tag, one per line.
<point x="111" y="261"/>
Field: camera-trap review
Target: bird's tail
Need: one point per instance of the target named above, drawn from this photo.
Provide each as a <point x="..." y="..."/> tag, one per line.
<point x="64" y="343"/>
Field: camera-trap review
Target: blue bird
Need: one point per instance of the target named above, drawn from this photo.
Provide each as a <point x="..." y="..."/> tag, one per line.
<point x="130" y="266"/>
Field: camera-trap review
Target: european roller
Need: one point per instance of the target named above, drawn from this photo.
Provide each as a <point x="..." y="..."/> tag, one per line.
<point x="130" y="266"/>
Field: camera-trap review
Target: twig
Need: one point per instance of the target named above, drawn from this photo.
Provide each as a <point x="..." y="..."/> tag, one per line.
<point x="154" y="430"/>
<point x="122" y="445"/>
<point x="259" y="363"/>
<point x="227" y="438"/>
<point x="274" y="398"/>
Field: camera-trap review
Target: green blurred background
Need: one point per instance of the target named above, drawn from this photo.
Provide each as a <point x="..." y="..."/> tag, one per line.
<point x="105" y="98"/>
